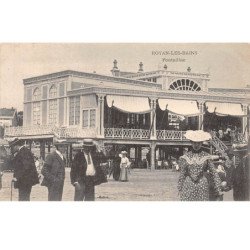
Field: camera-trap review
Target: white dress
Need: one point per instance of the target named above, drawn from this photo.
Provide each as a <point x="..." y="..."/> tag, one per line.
<point x="124" y="169"/>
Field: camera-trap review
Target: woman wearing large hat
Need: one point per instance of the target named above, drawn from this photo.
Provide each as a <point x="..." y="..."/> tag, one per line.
<point x="124" y="165"/>
<point x="193" y="184"/>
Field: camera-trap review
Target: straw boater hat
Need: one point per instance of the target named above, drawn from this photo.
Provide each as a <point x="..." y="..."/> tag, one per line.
<point x="197" y="135"/>
<point x="240" y="147"/>
<point x="88" y="143"/>
<point x="124" y="152"/>
<point x="58" y="142"/>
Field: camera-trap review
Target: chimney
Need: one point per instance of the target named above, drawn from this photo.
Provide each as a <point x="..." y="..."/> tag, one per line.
<point x="115" y="71"/>
<point x="140" y="67"/>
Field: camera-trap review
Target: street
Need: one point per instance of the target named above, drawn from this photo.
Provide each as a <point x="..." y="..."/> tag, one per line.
<point x="143" y="185"/>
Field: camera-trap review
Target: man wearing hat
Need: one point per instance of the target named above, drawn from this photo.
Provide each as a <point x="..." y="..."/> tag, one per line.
<point x="241" y="173"/>
<point x="25" y="173"/>
<point x="86" y="171"/>
<point x="54" y="172"/>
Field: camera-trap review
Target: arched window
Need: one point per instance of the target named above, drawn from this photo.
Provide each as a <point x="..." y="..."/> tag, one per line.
<point x="185" y="84"/>
<point x="37" y="94"/>
<point x="36" y="113"/>
<point x="53" y="91"/>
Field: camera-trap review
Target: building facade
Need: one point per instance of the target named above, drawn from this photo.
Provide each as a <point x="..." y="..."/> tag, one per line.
<point x="137" y="110"/>
<point x="8" y="117"/>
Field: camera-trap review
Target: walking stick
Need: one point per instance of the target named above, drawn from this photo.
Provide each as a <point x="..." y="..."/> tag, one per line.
<point x="11" y="188"/>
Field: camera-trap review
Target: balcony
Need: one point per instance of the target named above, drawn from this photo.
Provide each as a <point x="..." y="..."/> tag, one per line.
<point x="45" y="131"/>
<point x="123" y="133"/>
<point x="143" y="134"/>
<point x="50" y="131"/>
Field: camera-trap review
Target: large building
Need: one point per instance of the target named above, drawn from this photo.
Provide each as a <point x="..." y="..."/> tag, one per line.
<point x="138" y="110"/>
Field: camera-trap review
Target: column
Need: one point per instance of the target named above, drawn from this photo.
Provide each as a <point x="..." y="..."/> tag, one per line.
<point x="153" y="118"/>
<point x="139" y="153"/>
<point x="70" y="153"/>
<point x="201" y="110"/>
<point x="245" y="121"/>
<point x="100" y="116"/>
<point x="152" y="156"/>
<point x="48" y="147"/>
<point x="42" y="149"/>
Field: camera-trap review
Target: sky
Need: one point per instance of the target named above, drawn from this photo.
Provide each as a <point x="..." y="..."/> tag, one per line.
<point x="228" y="64"/>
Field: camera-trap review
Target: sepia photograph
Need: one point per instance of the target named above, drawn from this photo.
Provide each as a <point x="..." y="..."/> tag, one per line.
<point x="124" y="121"/>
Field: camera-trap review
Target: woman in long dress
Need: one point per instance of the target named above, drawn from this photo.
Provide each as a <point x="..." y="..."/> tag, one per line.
<point x="116" y="167"/>
<point x="124" y="165"/>
<point x="193" y="184"/>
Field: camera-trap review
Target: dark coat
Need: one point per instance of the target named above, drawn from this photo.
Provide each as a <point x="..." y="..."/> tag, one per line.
<point x="116" y="166"/>
<point x="241" y="180"/>
<point x="79" y="167"/>
<point x="24" y="168"/>
<point x="53" y="171"/>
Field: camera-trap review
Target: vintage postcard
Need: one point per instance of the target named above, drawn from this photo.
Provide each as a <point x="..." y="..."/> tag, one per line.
<point x="124" y="122"/>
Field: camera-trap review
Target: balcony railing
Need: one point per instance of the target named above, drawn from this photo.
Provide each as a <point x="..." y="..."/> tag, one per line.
<point x="171" y="135"/>
<point x="46" y="130"/>
<point x="123" y="133"/>
<point x="29" y="131"/>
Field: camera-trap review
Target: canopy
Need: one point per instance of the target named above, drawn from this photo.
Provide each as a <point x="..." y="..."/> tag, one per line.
<point x="129" y="104"/>
<point x="224" y="109"/>
<point x="180" y="107"/>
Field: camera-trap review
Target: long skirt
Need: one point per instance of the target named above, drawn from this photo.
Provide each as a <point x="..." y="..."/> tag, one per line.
<point x="124" y="174"/>
<point x="195" y="191"/>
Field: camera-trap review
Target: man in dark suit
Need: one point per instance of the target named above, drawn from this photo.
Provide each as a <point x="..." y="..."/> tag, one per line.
<point x="54" y="173"/>
<point x="25" y="173"/>
<point x="241" y="174"/>
<point x="86" y="171"/>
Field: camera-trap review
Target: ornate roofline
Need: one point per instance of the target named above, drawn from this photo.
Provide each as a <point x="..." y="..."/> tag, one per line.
<point x="90" y="76"/>
<point x="166" y="72"/>
<point x="199" y="95"/>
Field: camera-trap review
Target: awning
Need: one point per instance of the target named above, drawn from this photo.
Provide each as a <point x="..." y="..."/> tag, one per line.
<point x="224" y="109"/>
<point x="180" y="107"/>
<point x="129" y="104"/>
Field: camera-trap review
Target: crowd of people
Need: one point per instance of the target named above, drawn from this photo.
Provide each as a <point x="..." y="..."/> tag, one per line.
<point x="86" y="170"/>
<point x="203" y="177"/>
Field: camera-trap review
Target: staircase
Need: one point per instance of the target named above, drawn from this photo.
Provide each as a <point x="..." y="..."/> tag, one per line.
<point x="222" y="147"/>
<point x="219" y="145"/>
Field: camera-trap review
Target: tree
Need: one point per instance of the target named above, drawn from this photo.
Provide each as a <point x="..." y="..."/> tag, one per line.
<point x="1" y="131"/>
<point x="20" y="118"/>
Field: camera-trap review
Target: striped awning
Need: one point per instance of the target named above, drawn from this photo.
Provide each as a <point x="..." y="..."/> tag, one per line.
<point x="129" y="104"/>
<point x="225" y="109"/>
<point x="180" y="107"/>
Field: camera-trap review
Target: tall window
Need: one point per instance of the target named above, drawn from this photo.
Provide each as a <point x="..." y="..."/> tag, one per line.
<point x="36" y="113"/>
<point x="52" y="111"/>
<point x="37" y="94"/>
<point x="85" y="118"/>
<point x="89" y="118"/>
<point x="92" y="118"/>
<point x="74" y="110"/>
<point x="53" y="91"/>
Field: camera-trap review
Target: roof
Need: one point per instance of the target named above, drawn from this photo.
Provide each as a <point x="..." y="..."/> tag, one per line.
<point x="7" y="112"/>
<point x="87" y="75"/>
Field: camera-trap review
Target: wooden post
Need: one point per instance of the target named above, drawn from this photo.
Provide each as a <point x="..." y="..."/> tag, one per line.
<point x="153" y="146"/>
<point x="42" y="149"/>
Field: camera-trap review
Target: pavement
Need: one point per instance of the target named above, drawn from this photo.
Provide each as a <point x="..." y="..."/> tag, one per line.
<point x="143" y="185"/>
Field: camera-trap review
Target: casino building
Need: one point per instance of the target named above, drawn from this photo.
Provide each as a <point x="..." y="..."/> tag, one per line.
<point x="137" y="110"/>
